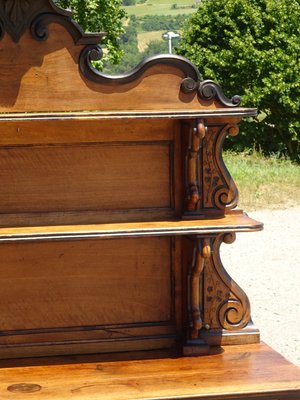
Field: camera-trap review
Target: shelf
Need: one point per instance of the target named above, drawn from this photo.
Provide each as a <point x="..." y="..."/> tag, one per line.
<point x="236" y="373"/>
<point x="229" y="223"/>
<point x="102" y="115"/>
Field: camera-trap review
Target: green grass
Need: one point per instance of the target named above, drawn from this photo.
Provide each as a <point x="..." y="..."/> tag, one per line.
<point x="264" y="183"/>
<point x="161" y="7"/>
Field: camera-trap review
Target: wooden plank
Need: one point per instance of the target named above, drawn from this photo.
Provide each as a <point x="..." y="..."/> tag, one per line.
<point x="229" y="223"/>
<point x="30" y="132"/>
<point x="82" y="297"/>
<point x="78" y="177"/>
<point x="45" y="76"/>
<point x="236" y="373"/>
<point x="84" y="283"/>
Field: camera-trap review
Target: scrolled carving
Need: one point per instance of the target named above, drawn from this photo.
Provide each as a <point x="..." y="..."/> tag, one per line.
<point x="89" y="54"/>
<point x="189" y="85"/>
<point x="91" y="73"/>
<point x="17" y="15"/>
<point x="209" y="90"/>
<point x="39" y="28"/>
<point x="233" y="130"/>
<point x="231" y="315"/>
<point x="222" y="198"/>
<point x="226" y="195"/>
<point x="229" y="238"/>
<point x="226" y="304"/>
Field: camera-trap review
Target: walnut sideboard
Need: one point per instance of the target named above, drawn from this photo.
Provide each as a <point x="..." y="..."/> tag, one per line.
<point x="114" y="204"/>
<point x="114" y="200"/>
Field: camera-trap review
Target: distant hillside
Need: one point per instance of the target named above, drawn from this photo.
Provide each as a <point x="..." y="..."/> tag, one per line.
<point x="160" y="7"/>
<point x="148" y="20"/>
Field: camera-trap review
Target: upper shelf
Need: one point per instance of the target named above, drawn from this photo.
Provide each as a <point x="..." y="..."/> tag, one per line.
<point x="237" y="222"/>
<point x="102" y="115"/>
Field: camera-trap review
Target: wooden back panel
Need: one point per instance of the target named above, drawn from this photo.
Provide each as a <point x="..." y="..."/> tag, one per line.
<point x="111" y="171"/>
<point x="46" y="65"/>
<point x="44" y="76"/>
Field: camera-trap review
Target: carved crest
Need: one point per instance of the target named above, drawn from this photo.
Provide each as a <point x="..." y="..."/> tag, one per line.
<point x="16" y="10"/>
<point x="17" y="15"/>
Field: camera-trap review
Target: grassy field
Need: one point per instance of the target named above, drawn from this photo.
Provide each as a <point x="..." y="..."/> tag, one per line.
<point x="145" y="37"/>
<point x="161" y="7"/>
<point x="264" y="183"/>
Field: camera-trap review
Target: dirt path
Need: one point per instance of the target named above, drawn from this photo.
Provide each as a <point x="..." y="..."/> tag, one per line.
<point x="267" y="266"/>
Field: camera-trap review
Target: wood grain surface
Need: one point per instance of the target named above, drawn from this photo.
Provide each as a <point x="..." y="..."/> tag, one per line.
<point x="44" y="76"/>
<point x="238" y="372"/>
<point x="229" y="223"/>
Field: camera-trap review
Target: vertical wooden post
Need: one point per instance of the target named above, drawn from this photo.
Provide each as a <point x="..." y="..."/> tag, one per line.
<point x="194" y="344"/>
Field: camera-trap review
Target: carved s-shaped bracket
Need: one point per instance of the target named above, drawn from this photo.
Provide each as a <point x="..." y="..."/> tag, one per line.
<point x="227" y="195"/>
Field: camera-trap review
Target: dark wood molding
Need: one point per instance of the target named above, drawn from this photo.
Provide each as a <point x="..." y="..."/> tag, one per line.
<point x="210" y="90"/>
<point x="16" y="16"/>
<point x="207" y="90"/>
<point x="94" y="53"/>
<point x="40" y="32"/>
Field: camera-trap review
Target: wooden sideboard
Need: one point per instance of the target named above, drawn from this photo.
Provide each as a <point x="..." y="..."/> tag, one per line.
<point x="115" y="201"/>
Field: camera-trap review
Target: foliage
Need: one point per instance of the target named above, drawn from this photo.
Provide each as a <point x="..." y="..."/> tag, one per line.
<point x="161" y="22"/>
<point x="129" y="46"/>
<point x="132" y="55"/>
<point x="155" y="47"/>
<point x="100" y="15"/>
<point x="252" y="47"/>
<point x="128" y="2"/>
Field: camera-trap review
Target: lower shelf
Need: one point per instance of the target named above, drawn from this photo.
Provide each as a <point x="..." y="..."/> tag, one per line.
<point x="235" y="372"/>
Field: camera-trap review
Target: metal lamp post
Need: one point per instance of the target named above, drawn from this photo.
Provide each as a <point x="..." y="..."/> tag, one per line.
<point x="169" y="36"/>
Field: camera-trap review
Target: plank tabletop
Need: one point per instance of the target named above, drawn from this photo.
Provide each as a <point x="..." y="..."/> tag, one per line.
<point x="236" y="372"/>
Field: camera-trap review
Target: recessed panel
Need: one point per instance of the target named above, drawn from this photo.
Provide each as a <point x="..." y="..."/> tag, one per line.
<point x="85" y="283"/>
<point x="87" y="177"/>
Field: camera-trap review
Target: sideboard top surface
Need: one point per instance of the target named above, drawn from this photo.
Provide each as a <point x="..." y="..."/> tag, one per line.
<point x="238" y="373"/>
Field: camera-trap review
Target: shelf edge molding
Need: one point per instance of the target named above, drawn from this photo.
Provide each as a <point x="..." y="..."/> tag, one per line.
<point x="227" y="224"/>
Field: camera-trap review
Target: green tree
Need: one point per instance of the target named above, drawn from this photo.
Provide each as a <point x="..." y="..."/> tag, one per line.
<point x="252" y="48"/>
<point x="100" y="15"/>
<point x="128" y="2"/>
<point x="129" y="45"/>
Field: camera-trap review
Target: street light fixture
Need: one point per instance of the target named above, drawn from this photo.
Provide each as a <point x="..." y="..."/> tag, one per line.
<point x="170" y="36"/>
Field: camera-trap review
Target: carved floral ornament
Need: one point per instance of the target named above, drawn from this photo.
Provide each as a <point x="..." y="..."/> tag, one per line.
<point x="17" y="16"/>
<point x="16" y="10"/>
